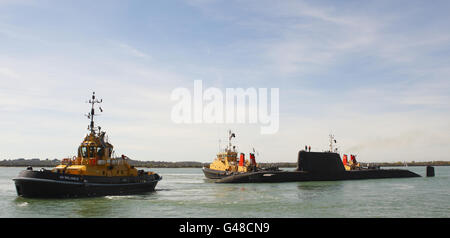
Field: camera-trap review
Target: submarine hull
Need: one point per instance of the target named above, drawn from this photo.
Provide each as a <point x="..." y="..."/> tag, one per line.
<point x="304" y="176"/>
<point x="317" y="166"/>
<point x="46" y="184"/>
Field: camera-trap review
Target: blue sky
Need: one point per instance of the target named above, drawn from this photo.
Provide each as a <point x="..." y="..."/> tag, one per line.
<point x="374" y="73"/>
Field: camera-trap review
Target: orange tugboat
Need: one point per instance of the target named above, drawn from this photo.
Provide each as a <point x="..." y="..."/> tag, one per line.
<point x="95" y="171"/>
<point x="227" y="163"/>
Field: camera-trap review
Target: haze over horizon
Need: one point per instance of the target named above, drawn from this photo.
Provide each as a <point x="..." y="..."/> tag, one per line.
<point x="376" y="74"/>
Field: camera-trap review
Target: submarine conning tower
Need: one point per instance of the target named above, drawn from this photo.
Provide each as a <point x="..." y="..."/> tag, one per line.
<point x="320" y="162"/>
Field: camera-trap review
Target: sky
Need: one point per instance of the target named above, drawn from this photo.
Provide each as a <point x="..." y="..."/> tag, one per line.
<point x="376" y="74"/>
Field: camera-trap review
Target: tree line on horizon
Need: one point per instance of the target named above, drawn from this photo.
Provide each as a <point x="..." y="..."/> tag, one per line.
<point x="193" y="164"/>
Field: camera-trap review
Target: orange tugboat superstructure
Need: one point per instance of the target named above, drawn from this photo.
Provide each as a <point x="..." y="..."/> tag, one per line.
<point x="227" y="162"/>
<point x="95" y="171"/>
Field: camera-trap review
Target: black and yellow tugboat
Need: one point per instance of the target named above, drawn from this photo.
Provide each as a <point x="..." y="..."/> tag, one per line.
<point x="227" y="163"/>
<point x="94" y="172"/>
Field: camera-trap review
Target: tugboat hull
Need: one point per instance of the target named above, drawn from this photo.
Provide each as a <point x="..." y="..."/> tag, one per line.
<point x="218" y="174"/>
<point x="46" y="184"/>
<point x="215" y="174"/>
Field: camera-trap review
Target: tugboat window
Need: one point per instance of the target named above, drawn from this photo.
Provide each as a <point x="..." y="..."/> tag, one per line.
<point x="91" y="151"/>
<point x="100" y="151"/>
<point x="84" y="152"/>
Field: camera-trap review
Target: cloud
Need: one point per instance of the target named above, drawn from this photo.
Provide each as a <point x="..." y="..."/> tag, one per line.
<point x="6" y="72"/>
<point x="308" y="38"/>
<point x="133" y="51"/>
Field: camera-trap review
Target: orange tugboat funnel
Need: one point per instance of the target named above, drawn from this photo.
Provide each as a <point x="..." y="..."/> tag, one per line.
<point x="353" y="159"/>
<point x="252" y="159"/>
<point x="242" y="159"/>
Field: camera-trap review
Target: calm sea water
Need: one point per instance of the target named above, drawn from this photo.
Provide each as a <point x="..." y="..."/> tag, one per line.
<point x="186" y="193"/>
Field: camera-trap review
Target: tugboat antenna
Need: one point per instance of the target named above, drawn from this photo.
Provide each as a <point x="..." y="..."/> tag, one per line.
<point x="91" y="114"/>
<point x="332" y="141"/>
<point x="231" y="135"/>
<point x="229" y="138"/>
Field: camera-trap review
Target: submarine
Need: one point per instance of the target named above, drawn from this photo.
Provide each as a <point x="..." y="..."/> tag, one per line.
<point x="319" y="166"/>
<point x="96" y="171"/>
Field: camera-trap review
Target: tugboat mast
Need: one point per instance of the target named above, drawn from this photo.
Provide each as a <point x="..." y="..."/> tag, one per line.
<point x="231" y="135"/>
<point x="332" y="141"/>
<point x="91" y="114"/>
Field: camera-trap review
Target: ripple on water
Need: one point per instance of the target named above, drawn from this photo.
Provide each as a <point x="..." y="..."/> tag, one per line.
<point x="122" y="197"/>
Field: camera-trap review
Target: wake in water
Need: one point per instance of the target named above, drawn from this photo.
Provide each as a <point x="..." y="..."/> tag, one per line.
<point x="22" y="204"/>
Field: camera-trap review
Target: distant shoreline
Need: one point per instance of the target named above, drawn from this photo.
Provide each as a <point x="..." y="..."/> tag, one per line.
<point x="193" y="164"/>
